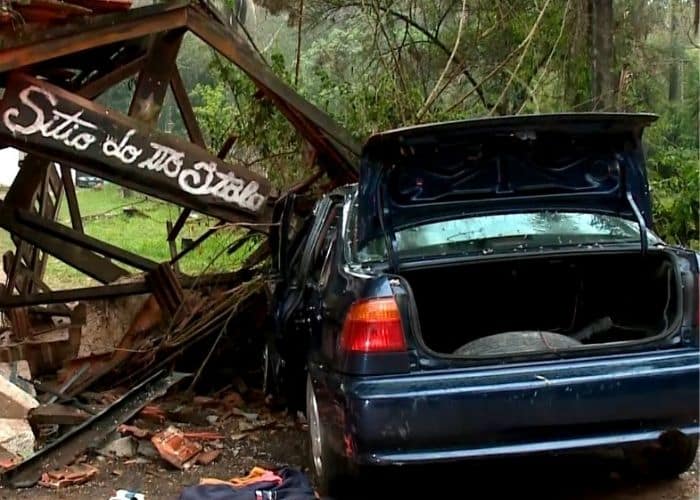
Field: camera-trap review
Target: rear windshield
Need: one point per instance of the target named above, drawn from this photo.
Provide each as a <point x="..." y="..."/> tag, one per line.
<point x="504" y="233"/>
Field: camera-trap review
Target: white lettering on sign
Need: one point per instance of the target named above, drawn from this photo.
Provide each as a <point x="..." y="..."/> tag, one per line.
<point x="62" y="127"/>
<point x="223" y="185"/>
<point x="73" y="131"/>
<point x="165" y="159"/>
<point x="123" y="150"/>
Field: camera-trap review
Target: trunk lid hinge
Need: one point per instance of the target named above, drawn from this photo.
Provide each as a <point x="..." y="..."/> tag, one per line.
<point x="387" y="229"/>
<point x="643" y="236"/>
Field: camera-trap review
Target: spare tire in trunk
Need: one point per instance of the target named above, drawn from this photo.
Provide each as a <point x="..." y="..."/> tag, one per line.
<point x="508" y="342"/>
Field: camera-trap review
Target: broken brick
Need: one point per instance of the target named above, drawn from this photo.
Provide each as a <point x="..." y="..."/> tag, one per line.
<point x="69" y="476"/>
<point x="175" y="448"/>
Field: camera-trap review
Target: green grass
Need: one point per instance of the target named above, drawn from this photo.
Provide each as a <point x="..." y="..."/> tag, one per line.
<point x="143" y="233"/>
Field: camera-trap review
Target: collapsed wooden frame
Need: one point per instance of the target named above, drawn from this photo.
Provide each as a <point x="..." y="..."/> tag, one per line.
<point x="61" y="70"/>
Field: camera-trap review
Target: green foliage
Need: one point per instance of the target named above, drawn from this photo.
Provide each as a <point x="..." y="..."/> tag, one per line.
<point x="675" y="185"/>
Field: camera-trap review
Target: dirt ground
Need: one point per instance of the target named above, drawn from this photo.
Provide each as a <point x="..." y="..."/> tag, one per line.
<point x="580" y="478"/>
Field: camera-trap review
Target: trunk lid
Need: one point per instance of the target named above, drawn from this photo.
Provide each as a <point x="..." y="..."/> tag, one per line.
<point x="579" y="162"/>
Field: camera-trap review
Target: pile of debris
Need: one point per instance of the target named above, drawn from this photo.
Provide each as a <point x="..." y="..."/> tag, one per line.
<point x="176" y="432"/>
<point x="74" y="387"/>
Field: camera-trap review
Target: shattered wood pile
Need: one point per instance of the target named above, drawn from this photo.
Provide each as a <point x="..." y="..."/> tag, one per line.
<point x="55" y="59"/>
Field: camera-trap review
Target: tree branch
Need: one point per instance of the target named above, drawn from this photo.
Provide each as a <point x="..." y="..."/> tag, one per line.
<point x="526" y="45"/>
<point x="434" y="93"/>
<point x="298" y="62"/>
<point x="436" y="41"/>
<point x="549" y="57"/>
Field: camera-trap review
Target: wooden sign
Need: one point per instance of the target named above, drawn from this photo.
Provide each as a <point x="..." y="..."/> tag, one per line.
<point x="46" y="120"/>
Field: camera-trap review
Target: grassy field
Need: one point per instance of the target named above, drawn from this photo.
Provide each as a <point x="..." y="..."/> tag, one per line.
<point x="143" y="233"/>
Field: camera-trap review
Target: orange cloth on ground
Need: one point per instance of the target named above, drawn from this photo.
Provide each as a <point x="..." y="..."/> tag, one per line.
<point x="256" y="475"/>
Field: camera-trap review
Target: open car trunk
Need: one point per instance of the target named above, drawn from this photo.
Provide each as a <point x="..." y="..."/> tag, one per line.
<point x="545" y="303"/>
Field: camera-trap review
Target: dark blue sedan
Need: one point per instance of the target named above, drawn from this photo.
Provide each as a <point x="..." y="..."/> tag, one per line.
<point x="489" y="288"/>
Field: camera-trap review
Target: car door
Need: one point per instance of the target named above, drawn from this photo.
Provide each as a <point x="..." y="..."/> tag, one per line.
<point x="297" y="303"/>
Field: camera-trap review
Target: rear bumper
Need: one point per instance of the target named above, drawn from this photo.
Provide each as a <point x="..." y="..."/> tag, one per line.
<point x="501" y="411"/>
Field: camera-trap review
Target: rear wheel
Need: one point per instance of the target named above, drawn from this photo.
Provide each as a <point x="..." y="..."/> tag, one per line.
<point x="673" y="456"/>
<point x="331" y="470"/>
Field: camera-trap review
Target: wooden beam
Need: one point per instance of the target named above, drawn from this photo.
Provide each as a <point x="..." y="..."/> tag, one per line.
<point x="57" y="414"/>
<point x="101" y="85"/>
<point x="228" y="145"/>
<point x="88" y="242"/>
<point x="23" y="191"/>
<point x="202" y="238"/>
<point x="95" y="266"/>
<point x="155" y="77"/>
<point x="195" y="135"/>
<point x="172" y="245"/>
<point x="75" y="295"/>
<point x="174" y="230"/>
<point x="185" y="107"/>
<point x="117" y="290"/>
<point x="72" y="199"/>
<point x="91" y="32"/>
<point x="50" y="209"/>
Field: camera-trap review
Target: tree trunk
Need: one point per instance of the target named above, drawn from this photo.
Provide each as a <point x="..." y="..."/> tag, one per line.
<point x="576" y="72"/>
<point x="603" y="83"/>
<point x="674" y="78"/>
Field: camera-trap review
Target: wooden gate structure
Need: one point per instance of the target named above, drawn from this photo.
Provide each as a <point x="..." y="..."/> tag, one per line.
<point x="51" y="77"/>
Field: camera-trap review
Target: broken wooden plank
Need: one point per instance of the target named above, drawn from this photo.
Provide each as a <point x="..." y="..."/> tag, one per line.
<point x="54" y="413"/>
<point x="167" y="289"/>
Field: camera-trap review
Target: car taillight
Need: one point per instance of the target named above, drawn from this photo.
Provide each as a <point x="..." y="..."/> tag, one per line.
<point x="373" y="325"/>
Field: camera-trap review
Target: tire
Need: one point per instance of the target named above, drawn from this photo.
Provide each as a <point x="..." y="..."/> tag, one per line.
<point x="673" y="456"/>
<point x="332" y="472"/>
<point x="510" y="342"/>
